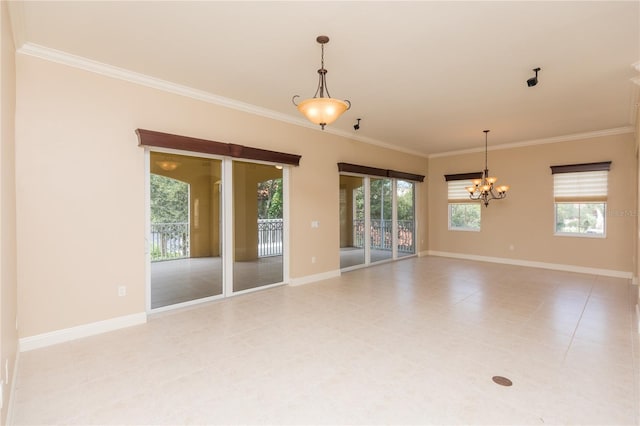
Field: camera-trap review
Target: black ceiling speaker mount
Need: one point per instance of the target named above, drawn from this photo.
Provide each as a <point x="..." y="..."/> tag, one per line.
<point x="534" y="80"/>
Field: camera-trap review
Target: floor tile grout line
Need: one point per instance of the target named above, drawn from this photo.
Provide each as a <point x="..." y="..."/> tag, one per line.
<point x="573" y="335"/>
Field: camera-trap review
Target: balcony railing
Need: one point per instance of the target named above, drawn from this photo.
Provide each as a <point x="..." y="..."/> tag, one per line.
<point x="270" y="233"/>
<point x="169" y="241"/>
<point x="381" y="235"/>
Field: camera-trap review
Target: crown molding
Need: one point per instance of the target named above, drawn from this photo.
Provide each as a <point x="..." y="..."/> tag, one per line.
<point x="555" y="139"/>
<point x="16" y="16"/>
<point x="107" y="70"/>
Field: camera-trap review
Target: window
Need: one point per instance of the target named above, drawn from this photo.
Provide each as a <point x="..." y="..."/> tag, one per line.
<point x="464" y="214"/>
<point x="580" y="193"/>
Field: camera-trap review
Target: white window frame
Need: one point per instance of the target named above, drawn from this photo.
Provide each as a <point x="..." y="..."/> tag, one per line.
<point x="580" y="198"/>
<point x="456" y="199"/>
<point x="579" y="234"/>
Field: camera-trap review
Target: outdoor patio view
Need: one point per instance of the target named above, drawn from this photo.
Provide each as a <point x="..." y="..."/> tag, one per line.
<point x="352" y="219"/>
<point x="186" y="247"/>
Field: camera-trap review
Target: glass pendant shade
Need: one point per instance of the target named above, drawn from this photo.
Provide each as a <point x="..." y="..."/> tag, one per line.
<point x="322" y="111"/>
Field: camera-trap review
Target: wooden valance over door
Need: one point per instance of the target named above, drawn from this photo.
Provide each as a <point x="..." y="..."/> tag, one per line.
<point x="185" y="143"/>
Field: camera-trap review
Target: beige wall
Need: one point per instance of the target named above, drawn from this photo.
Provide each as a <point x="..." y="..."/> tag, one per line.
<point x="8" y="274"/>
<point x="525" y="219"/>
<point x="80" y="180"/>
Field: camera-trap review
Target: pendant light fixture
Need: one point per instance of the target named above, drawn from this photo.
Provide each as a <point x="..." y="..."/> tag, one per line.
<point x="320" y="109"/>
<point x="484" y="189"/>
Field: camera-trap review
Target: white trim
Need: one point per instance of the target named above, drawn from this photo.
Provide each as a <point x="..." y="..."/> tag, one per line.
<point x="107" y="70"/>
<point x="147" y="229"/>
<point x="533" y="264"/>
<point x="228" y="221"/>
<point x="633" y="100"/>
<point x="308" y="279"/>
<point x="555" y="139"/>
<point x="78" y="332"/>
<point x="634" y="281"/>
<point x="638" y="316"/>
<point x="367" y="220"/>
<point x="286" y="215"/>
<point x="186" y="304"/>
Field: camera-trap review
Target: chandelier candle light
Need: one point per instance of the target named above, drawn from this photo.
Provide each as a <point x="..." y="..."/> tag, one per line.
<point x="484" y="189"/>
<point x="320" y="109"/>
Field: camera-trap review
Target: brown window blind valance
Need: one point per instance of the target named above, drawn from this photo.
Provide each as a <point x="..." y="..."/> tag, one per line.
<point x="586" y="167"/>
<point x="374" y="171"/>
<point x="463" y="176"/>
<point x="185" y="143"/>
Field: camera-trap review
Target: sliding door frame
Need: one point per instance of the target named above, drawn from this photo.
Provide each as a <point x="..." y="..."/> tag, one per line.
<point x="394" y="219"/>
<point x="227" y="230"/>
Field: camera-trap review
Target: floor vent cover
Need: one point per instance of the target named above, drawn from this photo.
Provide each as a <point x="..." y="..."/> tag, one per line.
<point x="502" y="381"/>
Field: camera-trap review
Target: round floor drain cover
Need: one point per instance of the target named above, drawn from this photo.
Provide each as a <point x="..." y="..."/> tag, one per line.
<point x="502" y="381"/>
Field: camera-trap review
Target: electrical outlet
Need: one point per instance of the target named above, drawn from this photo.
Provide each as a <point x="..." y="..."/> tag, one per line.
<point x="313" y="259"/>
<point x="122" y="290"/>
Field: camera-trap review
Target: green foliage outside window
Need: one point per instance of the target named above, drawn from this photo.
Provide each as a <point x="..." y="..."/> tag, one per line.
<point x="580" y="218"/>
<point x="270" y="199"/>
<point x="464" y="216"/>
<point x="169" y="200"/>
<point x="381" y="202"/>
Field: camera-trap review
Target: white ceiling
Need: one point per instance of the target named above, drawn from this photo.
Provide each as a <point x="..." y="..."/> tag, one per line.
<point x="426" y="77"/>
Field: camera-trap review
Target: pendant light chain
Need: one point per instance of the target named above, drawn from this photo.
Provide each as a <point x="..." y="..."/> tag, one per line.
<point x="486" y="161"/>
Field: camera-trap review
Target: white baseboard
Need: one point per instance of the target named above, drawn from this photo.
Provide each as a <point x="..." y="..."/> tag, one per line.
<point x="532" y="264"/>
<point x="313" y="278"/>
<point x="85" y="330"/>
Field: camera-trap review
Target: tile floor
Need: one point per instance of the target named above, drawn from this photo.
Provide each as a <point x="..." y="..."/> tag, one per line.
<point x="183" y="280"/>
<point x="410" y="342"/>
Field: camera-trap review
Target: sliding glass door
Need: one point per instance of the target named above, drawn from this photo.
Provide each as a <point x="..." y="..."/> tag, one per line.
<point x="377" y="219"/>
<point x="258" y="230"/>
<point x="405" y="207"/>
<point x="185" y="228"/>
<point x="381" y="205"/>
<point x="352" y="215"/>
<point x="216" y="227"/>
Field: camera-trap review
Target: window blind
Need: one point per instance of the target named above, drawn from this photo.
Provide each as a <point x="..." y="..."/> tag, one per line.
<point x="580" y="186"/>
<point x="458" y="191"/>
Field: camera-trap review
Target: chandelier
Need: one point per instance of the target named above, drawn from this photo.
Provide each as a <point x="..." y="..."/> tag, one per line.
<point x="320" y="109"/>
<point x="485" y="189"/>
